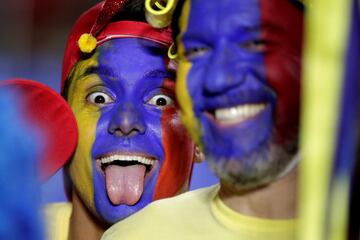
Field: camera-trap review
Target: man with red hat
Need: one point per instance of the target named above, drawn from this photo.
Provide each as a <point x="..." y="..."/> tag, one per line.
<point x="132" y="147"/>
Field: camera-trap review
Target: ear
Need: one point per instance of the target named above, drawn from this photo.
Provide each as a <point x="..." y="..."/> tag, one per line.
<point x="198" y="155"/>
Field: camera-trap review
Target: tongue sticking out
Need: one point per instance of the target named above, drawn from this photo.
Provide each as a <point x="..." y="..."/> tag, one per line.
<point x="124" y="185"/>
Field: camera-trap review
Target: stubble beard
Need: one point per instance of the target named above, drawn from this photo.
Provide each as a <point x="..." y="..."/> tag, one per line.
<point x="262" y="166"/>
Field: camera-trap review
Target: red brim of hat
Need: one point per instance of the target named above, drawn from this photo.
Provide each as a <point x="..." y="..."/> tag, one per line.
<point x="46" y="111"/>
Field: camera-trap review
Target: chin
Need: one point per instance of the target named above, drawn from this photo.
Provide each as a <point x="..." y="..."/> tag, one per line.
<point x="258" y="168"/>
<point x="111" y="214"/>
<point x="115" y="216"/>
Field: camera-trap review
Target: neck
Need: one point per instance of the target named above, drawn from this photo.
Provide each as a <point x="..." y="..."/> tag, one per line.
<point x="83" y="224"/>
<point x="274" y="201"/>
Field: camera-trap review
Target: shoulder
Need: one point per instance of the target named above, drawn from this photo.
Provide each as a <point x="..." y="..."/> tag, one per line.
<point x="195" y="197"/>
<point x="58" y="207"/>
<point x="57" y="217"/>
<point x="175" y="213"/>
<point x="180" y="204"/>
<point x="58" y="211"/>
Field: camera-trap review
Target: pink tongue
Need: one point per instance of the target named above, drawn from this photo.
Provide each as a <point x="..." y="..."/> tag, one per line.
<point x="124" y="185"/>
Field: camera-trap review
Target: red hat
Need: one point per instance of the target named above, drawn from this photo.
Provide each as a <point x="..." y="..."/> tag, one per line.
<point x="94" y="28"/>
<point x="47" y="111"/>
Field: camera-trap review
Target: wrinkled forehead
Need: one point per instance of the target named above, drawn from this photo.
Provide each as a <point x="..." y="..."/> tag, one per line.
<point x="225" y="16"/>
<point x="128" y="58"/>
<point x="129" y="54"/>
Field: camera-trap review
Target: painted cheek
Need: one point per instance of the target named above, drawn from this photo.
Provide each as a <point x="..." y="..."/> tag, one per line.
<point x="182" y="91"/>
<point x="178" y="156"/>
<point x="81" y="171"/>
<point x="186" y="102"/>
<point x="283" y="63"/>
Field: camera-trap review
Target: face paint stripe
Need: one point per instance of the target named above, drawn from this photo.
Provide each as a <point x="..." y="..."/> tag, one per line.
<point x="287" y="118"/>
<point x="81" y="168"/>
<point x="176" y="168"/>
<point x="187" y="113"/>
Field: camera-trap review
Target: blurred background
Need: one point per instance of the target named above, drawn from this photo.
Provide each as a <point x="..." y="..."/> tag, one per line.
<point x="33" y="34"/>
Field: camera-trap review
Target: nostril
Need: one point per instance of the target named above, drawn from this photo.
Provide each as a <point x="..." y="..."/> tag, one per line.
<point x="127" y="126"/>
<point x="112" y="128"/>
<point x="220" y="80"/>
<point x="120" y="133"/>
<point x="229" y="79"/>
<point x="221" y="84"/>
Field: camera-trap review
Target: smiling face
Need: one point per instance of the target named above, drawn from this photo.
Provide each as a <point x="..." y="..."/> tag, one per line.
<point x="132" y="147"/>
<point x="239" y="85"/>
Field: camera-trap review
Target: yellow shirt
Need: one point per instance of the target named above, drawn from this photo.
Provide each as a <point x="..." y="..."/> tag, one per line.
<point x="198" y="214"/>
<point x="58" y="220"/>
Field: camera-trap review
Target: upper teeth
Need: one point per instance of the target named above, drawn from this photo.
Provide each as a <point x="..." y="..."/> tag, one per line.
<point x="238" y="113"/>
<point x="139" y="159"/>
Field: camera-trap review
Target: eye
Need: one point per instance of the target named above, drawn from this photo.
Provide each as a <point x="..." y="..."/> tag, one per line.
<point x="161" y="101"/>
<point x="254" y="45"/>
<point x="99" y="98"/>
<point x="196" y="52"/>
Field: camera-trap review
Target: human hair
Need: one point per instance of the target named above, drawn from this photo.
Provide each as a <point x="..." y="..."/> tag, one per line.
<point x="133" y="10"/>
<point x="175" y="19"/>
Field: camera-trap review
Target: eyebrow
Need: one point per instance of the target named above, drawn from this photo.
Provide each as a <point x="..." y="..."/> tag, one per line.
<point x="103" y="70"/>
<point x="170" y="74"/>
<point x="265" y="26"/>
<point x="254" y="28"/>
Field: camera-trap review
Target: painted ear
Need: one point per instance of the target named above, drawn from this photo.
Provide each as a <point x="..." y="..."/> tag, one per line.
<point x="198" y="155"/>
<point x="50" y="115"/>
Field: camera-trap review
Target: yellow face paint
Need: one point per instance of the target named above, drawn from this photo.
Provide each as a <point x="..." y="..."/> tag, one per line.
<point x="87" y="116"/>
<point x="187" y="113"/>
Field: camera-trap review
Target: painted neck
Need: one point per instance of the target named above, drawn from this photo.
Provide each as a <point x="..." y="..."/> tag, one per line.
<point x="275" y="201"/>
<point x="83" y="224"/>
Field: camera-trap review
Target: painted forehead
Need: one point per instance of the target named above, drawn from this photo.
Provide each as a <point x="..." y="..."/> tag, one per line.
<point x="114" y="61"/>
<point x="117" y="57"/>
<point x="228" y="17"/>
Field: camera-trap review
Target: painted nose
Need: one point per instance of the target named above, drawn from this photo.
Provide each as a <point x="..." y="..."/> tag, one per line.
<point x="222" y="73"/>
<point x="127" y="121"/>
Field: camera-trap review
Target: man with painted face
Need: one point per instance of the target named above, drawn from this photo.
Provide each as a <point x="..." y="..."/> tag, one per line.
<point x="238" y="86"/>
<point x="132" y="147"/>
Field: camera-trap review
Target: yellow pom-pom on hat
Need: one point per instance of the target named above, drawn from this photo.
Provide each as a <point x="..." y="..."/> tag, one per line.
<point x="87" y="43"/>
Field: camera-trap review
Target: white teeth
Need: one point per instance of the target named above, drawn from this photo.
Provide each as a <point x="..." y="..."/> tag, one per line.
<point x="143" y="160"/>
<point x="238" y="113"/>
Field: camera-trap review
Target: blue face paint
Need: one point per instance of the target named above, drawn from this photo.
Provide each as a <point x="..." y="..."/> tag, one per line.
<point x="132" y="72"/>
<point x="233" y="97"/>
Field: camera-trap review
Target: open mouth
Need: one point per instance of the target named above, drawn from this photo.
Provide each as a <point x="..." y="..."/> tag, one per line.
<point x="236" y="114"/>
<point x="125" y="175"/>
<point x="126" y="160"/>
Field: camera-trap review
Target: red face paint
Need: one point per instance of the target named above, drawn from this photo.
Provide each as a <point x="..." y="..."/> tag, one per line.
<point x="282" y="24"/>
<point x="241" y="60"/>
<point x="178" y="153"/>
